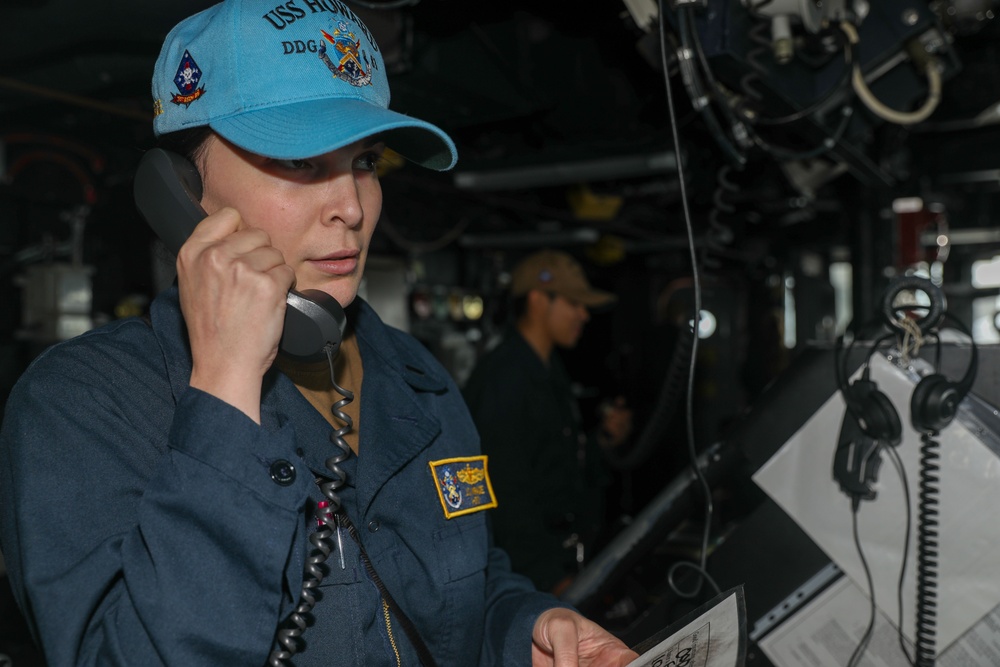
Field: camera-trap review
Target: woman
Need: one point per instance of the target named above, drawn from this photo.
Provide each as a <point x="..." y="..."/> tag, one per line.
<point x="176" y="491"/>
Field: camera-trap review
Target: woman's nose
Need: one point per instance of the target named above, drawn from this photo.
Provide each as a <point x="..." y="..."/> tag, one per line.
<point x="344" y="201"/>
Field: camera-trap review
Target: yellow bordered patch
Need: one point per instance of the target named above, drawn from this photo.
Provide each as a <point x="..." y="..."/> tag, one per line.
<point x="463" y="485"/>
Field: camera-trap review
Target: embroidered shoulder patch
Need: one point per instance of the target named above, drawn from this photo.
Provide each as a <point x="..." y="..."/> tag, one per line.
<point x="463" y="485"/>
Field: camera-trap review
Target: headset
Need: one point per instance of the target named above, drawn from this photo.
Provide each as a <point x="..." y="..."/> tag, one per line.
<point x="933" y="405"/>
<point x="870" y="420"/>
<point x="935" y="399"/>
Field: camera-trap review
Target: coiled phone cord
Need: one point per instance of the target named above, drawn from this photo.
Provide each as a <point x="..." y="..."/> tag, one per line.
<point x="927" y="550"/>
<point x="330" y="486"/>
<point x="288" y="636"/>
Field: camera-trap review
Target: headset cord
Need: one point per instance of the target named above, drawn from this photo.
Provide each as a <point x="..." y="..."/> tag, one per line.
<point x="927" y="549"/>
<point x="897" y="462"/>
<point x="927" y="519"/>
<point x="288" y="636"/>
<point x="866" y="638"/>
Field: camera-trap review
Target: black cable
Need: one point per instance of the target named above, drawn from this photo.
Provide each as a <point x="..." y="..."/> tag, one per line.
<point x="781" y="153"/>
<point x="927" y="550"/>
<point x="692" y="566"/>
<point x="846" y="113"/>
<point x="866" y="638"/>
<point x="689" y="35"/>
<point x="758" y="37"/>
<point x="688" y="42"/>
<point x="330" y="486"/>
<point x="927" y="514"/>
<point x="689" y="407"/>
<point x="692" y="40"/>
<point x="330" y="516"/>
<point x="288" y="636"/>
<point x="897" y="462"/>
<point x="850" y="57"/>
<point x="666" y="402"/>
<point x="720" y="233"/>
<point x="927" y="523"/>
<point x="841" y="355"/>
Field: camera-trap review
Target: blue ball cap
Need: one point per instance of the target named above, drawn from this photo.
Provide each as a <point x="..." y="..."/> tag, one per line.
<point x="285" y="80"/>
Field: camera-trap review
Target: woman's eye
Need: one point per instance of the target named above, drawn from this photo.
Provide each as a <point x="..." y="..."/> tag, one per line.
<point x="368" y="161"/>
<point x="294" y="165"/>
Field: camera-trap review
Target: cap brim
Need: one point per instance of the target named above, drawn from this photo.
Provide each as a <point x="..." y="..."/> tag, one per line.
<point x="313" y="127"/>
<point x="592" y="298"/>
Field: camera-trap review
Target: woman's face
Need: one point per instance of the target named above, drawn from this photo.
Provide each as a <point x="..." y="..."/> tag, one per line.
<point x="320" y="212"/>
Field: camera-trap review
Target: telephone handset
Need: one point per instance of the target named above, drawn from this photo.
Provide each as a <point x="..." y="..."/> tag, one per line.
<point x="168" y="194"/>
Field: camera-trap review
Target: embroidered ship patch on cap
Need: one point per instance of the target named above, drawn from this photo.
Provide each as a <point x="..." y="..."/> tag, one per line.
<point x="347" y="47"/>
<point x="186" y="79"/>
<point x="463" y="485"/>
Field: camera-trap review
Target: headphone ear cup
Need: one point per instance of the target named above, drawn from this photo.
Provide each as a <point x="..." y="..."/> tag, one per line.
<point x="881" y="419"/>
<point x="874" y="412"/>
<point x="933" y="403"/>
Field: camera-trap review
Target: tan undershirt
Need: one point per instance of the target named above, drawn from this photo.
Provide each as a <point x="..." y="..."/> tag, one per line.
<point x="313" y="381"/>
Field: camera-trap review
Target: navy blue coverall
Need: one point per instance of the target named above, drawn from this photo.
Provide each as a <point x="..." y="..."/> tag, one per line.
<point x="144" y="522"/>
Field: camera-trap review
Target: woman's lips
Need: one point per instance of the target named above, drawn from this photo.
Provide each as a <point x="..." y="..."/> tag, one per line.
<point x="336" y="266"/>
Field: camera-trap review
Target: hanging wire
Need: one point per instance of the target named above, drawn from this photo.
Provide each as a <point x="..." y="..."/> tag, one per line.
<point x="696" y="283"/>
<point x="866" y="637"/>
<point x="897" y="463"/>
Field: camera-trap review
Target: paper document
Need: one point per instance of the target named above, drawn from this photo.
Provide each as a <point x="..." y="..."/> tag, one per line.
<point x="826" y="632"/>
<point x="714" y="635"/>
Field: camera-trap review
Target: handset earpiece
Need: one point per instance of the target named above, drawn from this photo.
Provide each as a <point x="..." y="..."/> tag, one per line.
<point x="167" y="190"/>
<point x="168" y="194"/>
<point x="313" y="321"/>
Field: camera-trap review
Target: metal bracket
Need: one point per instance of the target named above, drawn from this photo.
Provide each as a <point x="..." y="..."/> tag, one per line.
<point x="791" y="603"/>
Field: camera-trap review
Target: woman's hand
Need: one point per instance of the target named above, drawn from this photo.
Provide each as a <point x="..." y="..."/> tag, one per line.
<point x="564" y="638"/>
<point x="233" y="285"/>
